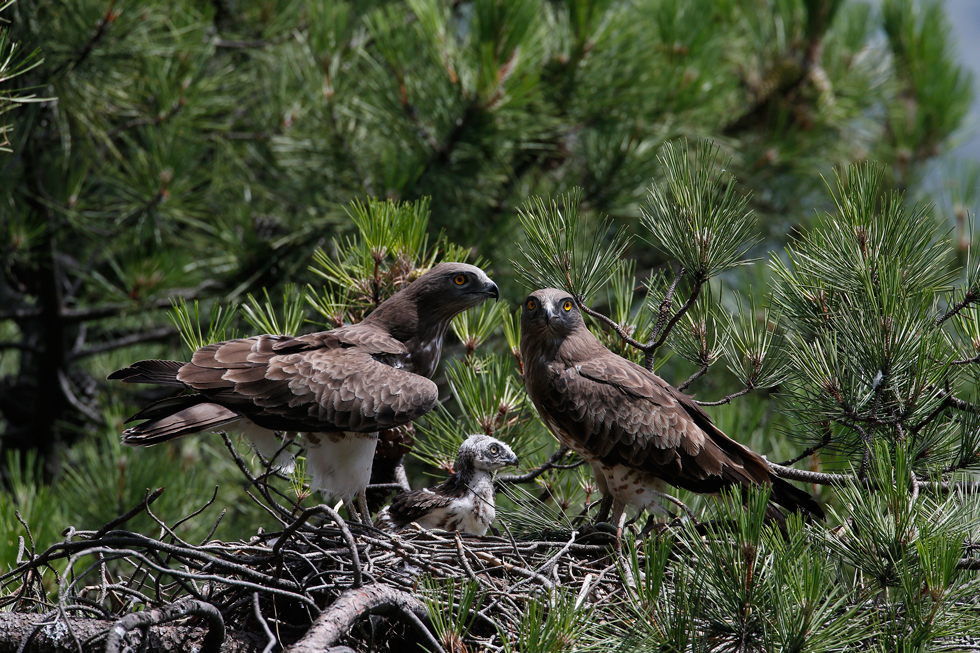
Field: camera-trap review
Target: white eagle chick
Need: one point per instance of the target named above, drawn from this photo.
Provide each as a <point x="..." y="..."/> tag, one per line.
<point x="465" y="501"/>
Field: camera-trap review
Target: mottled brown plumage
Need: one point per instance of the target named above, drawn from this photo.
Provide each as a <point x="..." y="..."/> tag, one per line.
<point x="632" y="427"/>
<point x="338" y="388"/>
<point x="465" y="501"/>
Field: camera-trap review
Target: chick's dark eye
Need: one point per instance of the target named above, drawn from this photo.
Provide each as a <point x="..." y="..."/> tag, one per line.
<point x="567" y="306"/>
<point x="460" y="279"/>
<point x="495" y="450"/>
<point x="531" y="305"/>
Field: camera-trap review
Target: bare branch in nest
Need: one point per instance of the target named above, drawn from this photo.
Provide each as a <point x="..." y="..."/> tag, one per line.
<point x="334" y="622"/>
<point x="173" y="612"/>
<point x="37" y="632"/>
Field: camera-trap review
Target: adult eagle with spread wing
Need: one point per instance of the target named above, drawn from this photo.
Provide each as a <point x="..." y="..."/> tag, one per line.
<point x="336" y="389"/>
<point x="464" y="502"/>
<point x="630" y="425"/>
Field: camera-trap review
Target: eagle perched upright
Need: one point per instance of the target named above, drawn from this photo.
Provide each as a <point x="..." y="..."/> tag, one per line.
<point x="466" y="501"/>
<point x="335" y="389"/>
<point x="631" y="426"/>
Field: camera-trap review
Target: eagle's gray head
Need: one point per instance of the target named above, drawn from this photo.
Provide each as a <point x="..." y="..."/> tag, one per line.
<point x="453" y="287"/>
<point x="481" y="452"/>
<point x="549" y="314"/>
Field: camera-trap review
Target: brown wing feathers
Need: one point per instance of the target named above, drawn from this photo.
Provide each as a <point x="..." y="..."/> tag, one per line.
<point x="616" y="413"/>
<point x="665" y="432"/>
<point x="363" y="377"/>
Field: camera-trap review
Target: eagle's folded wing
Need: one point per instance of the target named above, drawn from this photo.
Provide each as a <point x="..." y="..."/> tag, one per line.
<point x="407" y="507"/>
<point x="341" y="389"/>
<point x="631" y="417"/>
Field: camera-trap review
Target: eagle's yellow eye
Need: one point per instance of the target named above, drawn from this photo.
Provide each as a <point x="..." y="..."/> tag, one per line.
<point x="495" y="450"/>
<point x="567" y="306"/>
<point x="531" y="305"/>
<point x="460" y="279"/>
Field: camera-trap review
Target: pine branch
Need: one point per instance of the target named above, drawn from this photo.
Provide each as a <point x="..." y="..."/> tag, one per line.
<point x="728" y="399"/>
<point x="75" y="315"/>
<point x="694" y="377"/>
<point x="551" y="463"/>
<point x="668" y="301"/>
<point x="101" y="30"/>
<point x="620" y="331"/>
<point x="932" y="416"/>
<point x="966" y="361"/>
<point x="960" y="404"/>
<point x="809" y="451"/>
<point x="821" y="478"/>
<point x="971" y="297"/>
<point x="442" y="151"/>
<point x="695" y="292"/>
<point x="663" y="328"/>
<point x="156" y="120"/>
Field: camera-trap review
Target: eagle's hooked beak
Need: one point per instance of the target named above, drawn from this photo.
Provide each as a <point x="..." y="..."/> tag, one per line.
<point x="550" y="316"/>
<point x="492" y="290"/>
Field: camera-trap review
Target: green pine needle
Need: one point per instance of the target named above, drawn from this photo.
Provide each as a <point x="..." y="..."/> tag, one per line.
<point x="188" y="323"/>
<point x="563" y="250"/>
<point x="696" y="214"/>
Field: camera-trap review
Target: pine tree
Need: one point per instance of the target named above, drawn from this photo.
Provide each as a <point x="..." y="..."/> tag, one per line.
<point x="204" y="151"/>
<point x="204" y="171"/>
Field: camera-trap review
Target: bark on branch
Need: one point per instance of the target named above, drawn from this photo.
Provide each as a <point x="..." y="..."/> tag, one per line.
<point x="186" y="608"/>
<point x="819" y="478"/>
<point x="37" y="632"/>
<point x="334" y="622"/>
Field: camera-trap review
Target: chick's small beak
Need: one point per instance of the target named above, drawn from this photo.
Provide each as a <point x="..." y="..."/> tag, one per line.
<point x="513" y="461"/>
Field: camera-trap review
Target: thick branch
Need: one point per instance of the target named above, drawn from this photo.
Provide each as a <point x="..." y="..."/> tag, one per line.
<point x="334" y="622"/>
<point x="186" y="608"/>
<point x="41" y="633"/>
